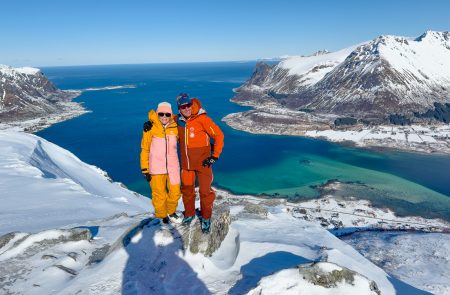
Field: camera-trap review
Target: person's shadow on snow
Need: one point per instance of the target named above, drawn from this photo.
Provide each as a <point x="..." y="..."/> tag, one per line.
<point x="154" y="265"/>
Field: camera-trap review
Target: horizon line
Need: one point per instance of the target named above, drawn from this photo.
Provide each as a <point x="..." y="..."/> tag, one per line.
<point x="156" y="63"/>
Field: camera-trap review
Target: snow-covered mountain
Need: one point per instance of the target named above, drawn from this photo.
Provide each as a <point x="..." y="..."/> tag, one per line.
<point x="389" y="75"/>
<point x="65" y="228"/>
<point x="25" y="93"/>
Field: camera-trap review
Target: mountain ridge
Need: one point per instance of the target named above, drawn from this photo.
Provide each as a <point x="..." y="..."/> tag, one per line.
<point x="389" y="75"/>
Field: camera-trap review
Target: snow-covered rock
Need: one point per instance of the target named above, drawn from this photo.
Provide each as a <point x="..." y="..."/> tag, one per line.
<point x="317" y="278"/>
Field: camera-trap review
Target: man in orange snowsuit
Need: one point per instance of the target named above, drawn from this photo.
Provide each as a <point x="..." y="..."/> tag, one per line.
<point x="195" y="131"/>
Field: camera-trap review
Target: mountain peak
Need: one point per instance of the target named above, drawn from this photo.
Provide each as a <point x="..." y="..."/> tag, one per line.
<point x="320" y="52"/>
<point x="434" y="35"/>
<point x="390" y="39"/>
<point x="10" y="71"/>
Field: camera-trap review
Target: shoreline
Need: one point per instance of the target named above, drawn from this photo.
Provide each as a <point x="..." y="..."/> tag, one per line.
<point x="68" y="110"/>
<point x="336" y="189"/>
<point x="343" y="217"/>
<point x="273" y="119"/>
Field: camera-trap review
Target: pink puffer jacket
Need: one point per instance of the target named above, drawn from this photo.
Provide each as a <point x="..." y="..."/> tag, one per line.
<point x="159" y="146"/>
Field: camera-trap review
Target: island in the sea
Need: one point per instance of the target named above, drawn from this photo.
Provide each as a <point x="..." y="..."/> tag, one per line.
<point x="390" y="92"/>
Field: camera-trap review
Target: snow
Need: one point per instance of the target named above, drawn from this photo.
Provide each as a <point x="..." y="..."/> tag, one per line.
<point x="110" y="87"/>
<point x="426" y="57"/>
<point x="283" y="121"/>
<point x="129" y="254"/>
<point x="10" y="71"/>
<point x="28" y="70"/>
<point x="290" y="282"/>
<point x="280" y="242"/>
<point x="50" y="234"/>
<point x="43" y="186"/>
<point x="301" y="65"/>
<point x="358" y="215"/>
<point x="421" y="259"/>
<point x="382" y="132"/>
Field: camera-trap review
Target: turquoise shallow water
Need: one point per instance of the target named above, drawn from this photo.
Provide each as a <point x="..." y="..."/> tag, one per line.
<point x="109" y="137"/>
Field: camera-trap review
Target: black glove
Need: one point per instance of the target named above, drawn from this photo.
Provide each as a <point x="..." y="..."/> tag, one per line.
<point x="209" y="161"/>
<point x="147" y="176"/>
<point x="147" y="126"/>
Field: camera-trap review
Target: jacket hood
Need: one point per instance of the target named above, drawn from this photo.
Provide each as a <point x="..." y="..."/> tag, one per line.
<point x="196" y="106"/>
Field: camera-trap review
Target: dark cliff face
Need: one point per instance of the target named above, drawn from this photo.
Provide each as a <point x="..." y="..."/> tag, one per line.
<point x="27" y="95"/>
<point x="246" y="92"/>
<point x="365" y="85"/>
<point x="258" y="78"/>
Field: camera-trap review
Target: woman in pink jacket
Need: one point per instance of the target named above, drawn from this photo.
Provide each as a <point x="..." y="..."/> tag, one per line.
<point x="159" y="162"/>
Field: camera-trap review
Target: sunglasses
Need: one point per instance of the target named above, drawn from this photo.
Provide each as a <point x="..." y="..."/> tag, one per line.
<point x="165" y="114"/>
<point x="185" y="106"/>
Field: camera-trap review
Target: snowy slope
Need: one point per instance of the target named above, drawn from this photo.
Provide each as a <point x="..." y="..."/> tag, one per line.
<point x="311" y="69"/>
<point x="295" y="73"/>
<point x="421" y="258"/>
<point x="43" y="186"/>
<point x="75" y="232"/>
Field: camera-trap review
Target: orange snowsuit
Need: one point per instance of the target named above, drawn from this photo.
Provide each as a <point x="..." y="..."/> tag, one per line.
<point x="159" y="157"/>
<point x="195" y="135"/>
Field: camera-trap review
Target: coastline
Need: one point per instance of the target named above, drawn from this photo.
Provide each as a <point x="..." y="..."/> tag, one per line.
<point x="271" y="118"/>
<point x="343" y="216"/>
<point x="68" y="109"/>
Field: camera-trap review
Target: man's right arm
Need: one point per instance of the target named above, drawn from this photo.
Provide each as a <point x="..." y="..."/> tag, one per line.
<point x="147" y="126"/>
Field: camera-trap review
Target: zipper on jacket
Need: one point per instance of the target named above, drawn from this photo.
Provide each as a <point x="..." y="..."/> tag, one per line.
<point x="165" y="138"/>
<point x="185" y="144"/>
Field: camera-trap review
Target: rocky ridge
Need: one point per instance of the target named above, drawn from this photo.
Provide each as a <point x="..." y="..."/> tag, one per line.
<point x="26" y="94"/>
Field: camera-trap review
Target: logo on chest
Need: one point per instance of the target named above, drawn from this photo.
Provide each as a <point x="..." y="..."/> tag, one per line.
<point x="191" y="132"/>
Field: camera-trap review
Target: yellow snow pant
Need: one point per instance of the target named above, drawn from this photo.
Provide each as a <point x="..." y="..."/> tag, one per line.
<point x="165" y="196"/>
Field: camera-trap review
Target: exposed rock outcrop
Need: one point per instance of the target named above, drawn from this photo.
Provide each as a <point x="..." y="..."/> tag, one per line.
<point x="197" y="242"/>
<point x="252" y="210"/>
<point x="330" y="275"/>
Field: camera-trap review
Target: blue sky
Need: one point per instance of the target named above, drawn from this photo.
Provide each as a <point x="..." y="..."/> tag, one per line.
<point x="59" y="32"/>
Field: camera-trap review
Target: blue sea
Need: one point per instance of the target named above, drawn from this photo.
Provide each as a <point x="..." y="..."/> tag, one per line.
<point x="109" y="137"/>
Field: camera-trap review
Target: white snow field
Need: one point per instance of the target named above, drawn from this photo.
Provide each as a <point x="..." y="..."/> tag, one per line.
<point x="67" y="229"/>
<point x="422" y="259"/>
<point x="43" y="186"/>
